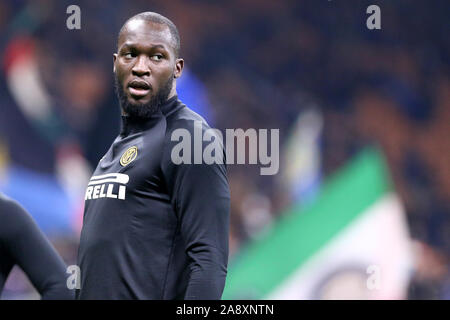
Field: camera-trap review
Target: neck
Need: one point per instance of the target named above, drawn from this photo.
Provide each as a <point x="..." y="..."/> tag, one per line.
<point x="137" y="124"/>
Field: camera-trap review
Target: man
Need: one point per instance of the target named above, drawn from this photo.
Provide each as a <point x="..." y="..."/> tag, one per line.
<point x="153" y="229"/>
<point x="22" y="243"/>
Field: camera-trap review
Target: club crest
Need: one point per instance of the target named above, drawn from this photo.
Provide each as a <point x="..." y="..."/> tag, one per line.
<point x="128" y="156"/>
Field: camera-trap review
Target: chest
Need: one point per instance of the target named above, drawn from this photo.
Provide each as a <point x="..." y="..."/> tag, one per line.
<point x="131" y="167"/>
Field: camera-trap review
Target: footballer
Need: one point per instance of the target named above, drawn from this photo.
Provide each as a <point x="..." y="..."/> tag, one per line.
<point x="153" y="229"/>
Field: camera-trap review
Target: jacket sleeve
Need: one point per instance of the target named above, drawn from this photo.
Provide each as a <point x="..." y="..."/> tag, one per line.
<point x="33" y="253"/>
<point x="201" y="198"/>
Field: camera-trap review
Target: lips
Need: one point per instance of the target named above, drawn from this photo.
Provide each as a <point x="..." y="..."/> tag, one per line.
<point x="139" y="88"/>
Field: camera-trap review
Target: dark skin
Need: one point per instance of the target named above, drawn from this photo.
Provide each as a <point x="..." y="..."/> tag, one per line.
<point x="146" y="60"/>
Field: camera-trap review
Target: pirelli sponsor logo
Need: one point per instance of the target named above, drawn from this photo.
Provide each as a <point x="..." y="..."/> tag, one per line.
<point x="111" y="185"/>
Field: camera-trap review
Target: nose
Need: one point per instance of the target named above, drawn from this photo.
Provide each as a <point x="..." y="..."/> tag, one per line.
<point x="141" y="67"/>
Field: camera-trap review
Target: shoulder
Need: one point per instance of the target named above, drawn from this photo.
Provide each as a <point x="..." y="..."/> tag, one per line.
<point x="183" y="123"/>
<point x="9" y="207"/>
<point x="13" y="216"/>
<point x="182" y="117"/>
<point x="190" y="140"/>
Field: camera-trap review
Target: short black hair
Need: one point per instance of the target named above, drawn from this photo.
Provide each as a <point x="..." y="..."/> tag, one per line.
<point x="157" y="18"/>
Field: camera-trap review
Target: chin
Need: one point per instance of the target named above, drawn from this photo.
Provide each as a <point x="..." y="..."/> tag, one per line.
<point x="141" y="101"/>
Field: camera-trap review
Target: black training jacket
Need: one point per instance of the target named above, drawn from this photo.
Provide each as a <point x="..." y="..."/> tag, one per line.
<point x="153" y="229"/>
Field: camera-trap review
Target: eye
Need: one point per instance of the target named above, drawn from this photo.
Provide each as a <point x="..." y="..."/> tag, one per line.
<point x="157" y="57"/>
<point x="129" y="55"/>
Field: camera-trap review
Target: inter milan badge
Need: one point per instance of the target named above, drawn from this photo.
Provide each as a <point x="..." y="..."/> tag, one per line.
<point x="128" y="156"/>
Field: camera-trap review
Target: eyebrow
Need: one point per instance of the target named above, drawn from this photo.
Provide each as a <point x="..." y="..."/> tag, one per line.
<point x="156" y="46"/>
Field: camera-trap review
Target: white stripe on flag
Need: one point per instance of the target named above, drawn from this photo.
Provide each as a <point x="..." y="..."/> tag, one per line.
<point x="377" y="238"/>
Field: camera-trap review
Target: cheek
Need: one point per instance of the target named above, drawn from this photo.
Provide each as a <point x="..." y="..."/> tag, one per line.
<point x="164" y="75"/>
<point x="122" y="71"/>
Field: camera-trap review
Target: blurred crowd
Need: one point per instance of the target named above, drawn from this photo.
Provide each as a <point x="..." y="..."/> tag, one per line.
<point x="263" y="64"/>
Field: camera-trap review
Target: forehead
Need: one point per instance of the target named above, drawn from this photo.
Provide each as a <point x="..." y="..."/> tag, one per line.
<point x="141" y="32"/>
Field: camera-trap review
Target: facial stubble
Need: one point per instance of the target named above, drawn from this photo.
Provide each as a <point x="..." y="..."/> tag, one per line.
<point x="142" y="110"/>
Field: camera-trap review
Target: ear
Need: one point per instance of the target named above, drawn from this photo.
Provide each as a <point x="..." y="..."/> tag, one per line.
<point x="179" y="65"/>
<point x="114" y="62"/>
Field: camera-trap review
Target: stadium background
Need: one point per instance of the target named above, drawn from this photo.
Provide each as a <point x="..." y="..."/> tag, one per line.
<point x="337" y="91"/>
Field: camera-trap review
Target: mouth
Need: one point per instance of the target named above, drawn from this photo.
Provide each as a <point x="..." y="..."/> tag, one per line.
<point x="139" y="88"/>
